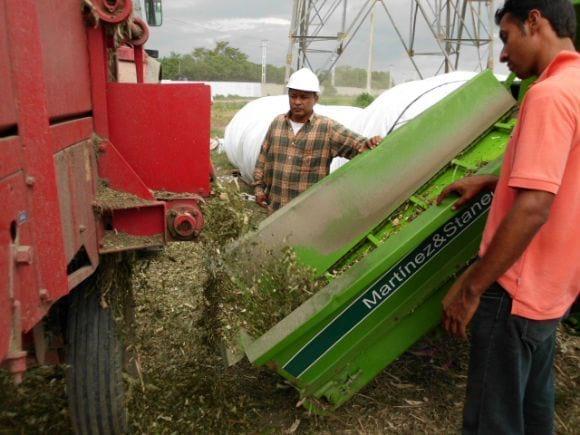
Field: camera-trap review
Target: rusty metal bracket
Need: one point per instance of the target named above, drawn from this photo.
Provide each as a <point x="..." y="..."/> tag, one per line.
<point x="15" y="361"/>
<point x="22" y="254"/>
<point x="110" y="11"/>
<point x="184" y="221"/>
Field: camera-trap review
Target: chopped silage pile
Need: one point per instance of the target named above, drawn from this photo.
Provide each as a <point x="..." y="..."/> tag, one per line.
<point x="38" y="405"/>
<point x="228" y="215"/>
<point x="251" y="294"/>
<point x="191" y="297"/>
<point x="245" y="290"/>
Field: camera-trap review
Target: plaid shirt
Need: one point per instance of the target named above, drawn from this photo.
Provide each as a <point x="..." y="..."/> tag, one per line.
<point x="290" y="163"/>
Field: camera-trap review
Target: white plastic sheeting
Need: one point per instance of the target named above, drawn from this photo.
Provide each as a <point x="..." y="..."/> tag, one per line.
<point x="392" y="109"/>
<point x="398" y="105"/>
<point x="246" y="131"/>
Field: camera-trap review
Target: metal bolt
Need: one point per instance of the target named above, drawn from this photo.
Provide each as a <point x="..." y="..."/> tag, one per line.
<point x="30" y="180"/>
<point x="44" y="296"/>
<point x="82" y="228"/>
<point x="23" y="255"/>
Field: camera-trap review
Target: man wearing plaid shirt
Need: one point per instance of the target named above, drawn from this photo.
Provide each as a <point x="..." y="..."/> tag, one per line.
<point x="300" y="146"/>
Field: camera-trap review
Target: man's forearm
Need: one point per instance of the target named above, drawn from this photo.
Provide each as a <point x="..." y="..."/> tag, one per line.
<point x="259" y="186"/>
<point x="529" y="213"/>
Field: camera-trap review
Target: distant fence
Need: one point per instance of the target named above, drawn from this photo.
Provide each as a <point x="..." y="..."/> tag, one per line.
<point x="240" y="89"/>
<point x="255" y="89"/>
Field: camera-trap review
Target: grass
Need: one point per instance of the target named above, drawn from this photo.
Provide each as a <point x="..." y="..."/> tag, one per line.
<point x="337" y="100"/>
<point x="222" y="112"/>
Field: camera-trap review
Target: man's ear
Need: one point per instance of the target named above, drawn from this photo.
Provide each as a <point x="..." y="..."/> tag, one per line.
<point x="534" y="19"/>
<point x="316" y="97"/>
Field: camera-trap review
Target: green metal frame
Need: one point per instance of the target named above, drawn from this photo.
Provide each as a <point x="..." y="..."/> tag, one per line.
<point x="385" y="291"/>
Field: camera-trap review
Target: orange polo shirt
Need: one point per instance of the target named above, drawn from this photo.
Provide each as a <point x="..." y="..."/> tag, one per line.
<point x="544" y="154"/>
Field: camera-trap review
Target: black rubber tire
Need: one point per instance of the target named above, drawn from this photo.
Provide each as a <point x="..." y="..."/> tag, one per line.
<point x="95" y="365"/>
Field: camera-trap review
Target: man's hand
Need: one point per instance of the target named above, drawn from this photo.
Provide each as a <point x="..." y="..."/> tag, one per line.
<point x="468" y="188"/>
<point x="372" y="143"/>
<point x="459" y="306"/>
<point x="262" y="199"/>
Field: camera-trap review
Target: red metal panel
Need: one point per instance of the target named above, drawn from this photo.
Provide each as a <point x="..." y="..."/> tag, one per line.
<point x="76" y="170"/>
<point x="18" y="279"/>
<point x="115" y="170"/>
<point x="7" y="105"/>
<point x="38" y="164"/>
<point x="66" y="133"/>
<point x="65" y="58"/>
<point x="9" y="156"/>
<point x="28" y="289"/>
<point x="143" y="221"/>
<point x="98" y="66"/>
<point x="163" y="133"/>
<point x="5" y="311"/>
<point x="8" y="221"/>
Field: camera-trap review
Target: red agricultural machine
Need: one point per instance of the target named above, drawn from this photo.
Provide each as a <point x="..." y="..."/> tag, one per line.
<point x="89" y="167"/>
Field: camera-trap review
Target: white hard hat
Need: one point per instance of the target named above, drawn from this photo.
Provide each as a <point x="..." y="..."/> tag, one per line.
<point x="304" y="80"/>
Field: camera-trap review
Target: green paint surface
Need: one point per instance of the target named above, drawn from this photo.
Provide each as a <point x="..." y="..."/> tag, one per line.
<point x="329" y="350"/>
<point x="327" y="221"/>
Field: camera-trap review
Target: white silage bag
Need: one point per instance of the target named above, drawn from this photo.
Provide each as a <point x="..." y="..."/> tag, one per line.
<point x="390" y="110"/>
<point x="246" y="131"/>
<point x="398" y="105"/>
<point x="250" y="121"/>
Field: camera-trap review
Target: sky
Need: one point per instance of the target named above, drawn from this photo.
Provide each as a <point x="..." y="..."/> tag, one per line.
<point x="189" y="24"/>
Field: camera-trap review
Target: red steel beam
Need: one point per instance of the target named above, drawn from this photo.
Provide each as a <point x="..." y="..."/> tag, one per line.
<point x="33" y="129"/>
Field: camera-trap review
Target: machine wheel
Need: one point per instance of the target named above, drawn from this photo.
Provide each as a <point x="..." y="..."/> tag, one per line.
<point x="95" y="359"/>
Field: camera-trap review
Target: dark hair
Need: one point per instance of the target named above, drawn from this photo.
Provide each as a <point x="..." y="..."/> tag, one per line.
<point x="559" y="13"/>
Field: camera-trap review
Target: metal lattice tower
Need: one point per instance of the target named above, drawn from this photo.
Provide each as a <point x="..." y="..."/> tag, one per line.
<point x="322" y="30"/>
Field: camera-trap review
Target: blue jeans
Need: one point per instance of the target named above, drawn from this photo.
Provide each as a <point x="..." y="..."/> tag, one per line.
<point x="510" y="385"/>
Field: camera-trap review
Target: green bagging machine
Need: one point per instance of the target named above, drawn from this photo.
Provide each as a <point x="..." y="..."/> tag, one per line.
<point x="389" y="252"/>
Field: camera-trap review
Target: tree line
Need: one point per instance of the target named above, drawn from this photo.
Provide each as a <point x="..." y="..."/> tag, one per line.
<point x="226" y="63"/>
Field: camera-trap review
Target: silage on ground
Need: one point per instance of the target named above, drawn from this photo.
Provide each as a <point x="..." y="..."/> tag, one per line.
<point x="182" y="386"/>
<point x="185" y="386"/>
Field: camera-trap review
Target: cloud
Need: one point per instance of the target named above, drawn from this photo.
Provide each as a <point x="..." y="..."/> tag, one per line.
<point x="237" y="24"/>
<point x="227" y="25"/>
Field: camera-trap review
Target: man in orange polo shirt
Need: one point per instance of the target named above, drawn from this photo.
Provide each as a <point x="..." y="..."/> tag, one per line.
<point x="528" y="273"/>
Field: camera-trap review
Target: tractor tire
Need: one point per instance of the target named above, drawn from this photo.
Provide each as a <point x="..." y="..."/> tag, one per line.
<point x="95" y="360"/>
